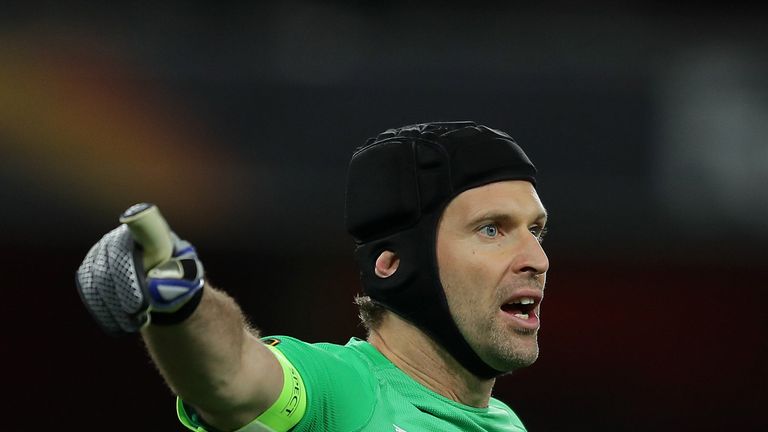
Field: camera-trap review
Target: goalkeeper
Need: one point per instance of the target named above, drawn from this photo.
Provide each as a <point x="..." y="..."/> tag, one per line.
<point x="448" y="227"/>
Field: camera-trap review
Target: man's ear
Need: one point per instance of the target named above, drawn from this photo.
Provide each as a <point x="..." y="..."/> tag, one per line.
<point x="386" y="264"/>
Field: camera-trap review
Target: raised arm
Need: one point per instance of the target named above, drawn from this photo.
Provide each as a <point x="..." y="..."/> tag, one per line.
<point x="214" y="362"/>
<point x="196" y="334"/>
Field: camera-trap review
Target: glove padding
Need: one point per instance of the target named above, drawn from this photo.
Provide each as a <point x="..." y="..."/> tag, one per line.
<point x="113" y="286"/>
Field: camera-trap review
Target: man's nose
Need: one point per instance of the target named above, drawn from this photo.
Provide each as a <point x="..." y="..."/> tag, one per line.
<point x="530" y="256"/>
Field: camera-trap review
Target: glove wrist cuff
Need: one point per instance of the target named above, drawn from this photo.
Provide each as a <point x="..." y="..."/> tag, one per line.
<point x="179" y="315"/>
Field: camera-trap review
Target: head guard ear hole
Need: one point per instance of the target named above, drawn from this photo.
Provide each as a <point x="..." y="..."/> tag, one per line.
<point x="386" y="264"/>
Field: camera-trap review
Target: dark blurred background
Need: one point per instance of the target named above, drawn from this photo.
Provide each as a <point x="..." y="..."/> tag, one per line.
<point x="648" y="124"/>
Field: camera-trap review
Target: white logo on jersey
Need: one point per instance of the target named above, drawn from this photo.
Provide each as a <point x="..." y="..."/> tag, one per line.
<point x="399" y="429"/>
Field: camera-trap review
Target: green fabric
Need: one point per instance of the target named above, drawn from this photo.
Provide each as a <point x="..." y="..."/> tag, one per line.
<point x="355" y="388"/>
<point x="189" y="418"/>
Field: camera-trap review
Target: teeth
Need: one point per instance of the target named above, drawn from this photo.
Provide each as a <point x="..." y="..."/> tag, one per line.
<point x="525" y="301"/>
<point x="523" y="316"/>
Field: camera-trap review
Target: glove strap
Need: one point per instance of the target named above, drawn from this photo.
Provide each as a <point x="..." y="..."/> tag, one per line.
<point x="174" y="289"/>
<point x="164" y="318"/>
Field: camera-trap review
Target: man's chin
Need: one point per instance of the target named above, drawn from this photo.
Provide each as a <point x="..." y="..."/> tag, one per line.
<point x="511" y="365"/>
<point x="514" y="358"/>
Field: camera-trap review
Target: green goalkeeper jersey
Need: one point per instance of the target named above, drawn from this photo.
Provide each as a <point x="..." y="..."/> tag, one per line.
<point x="353" y="387"/>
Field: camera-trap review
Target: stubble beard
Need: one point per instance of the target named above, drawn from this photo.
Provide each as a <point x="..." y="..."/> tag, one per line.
<point x="502" y="346"/>
<point x="512" y="348"/>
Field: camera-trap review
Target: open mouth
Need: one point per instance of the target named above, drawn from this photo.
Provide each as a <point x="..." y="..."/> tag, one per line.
<point x="522" y="307"/>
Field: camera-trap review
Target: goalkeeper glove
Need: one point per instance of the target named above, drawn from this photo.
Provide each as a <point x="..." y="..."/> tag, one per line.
<point x="140" y="272"/>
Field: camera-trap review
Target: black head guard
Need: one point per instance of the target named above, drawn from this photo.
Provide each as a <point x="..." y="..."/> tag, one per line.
<point x="398" y="185"/>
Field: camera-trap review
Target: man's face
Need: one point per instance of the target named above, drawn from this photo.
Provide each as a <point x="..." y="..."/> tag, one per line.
<point x="493" y="270"/>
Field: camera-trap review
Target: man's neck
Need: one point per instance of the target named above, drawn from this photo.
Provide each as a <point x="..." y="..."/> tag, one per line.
<point x="428" y="363"/>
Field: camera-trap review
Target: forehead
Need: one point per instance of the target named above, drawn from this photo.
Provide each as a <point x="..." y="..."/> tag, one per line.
<point x="514" y="197"/>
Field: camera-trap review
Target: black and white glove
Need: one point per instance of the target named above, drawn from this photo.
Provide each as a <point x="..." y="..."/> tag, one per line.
<point x="140" y="272"/>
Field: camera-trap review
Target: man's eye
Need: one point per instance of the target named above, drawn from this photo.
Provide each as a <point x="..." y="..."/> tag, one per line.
<point x="539" y="233"/>
<point x="489" y="230"/>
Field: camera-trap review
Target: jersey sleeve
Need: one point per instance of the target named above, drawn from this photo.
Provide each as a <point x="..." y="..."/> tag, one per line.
<point x="341" y="391"/>
<point x="325" y="387"/>
<point x="282" y="416"/>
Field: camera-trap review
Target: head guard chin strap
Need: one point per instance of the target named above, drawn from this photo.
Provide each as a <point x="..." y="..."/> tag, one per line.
<point x="398" y="185"/>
